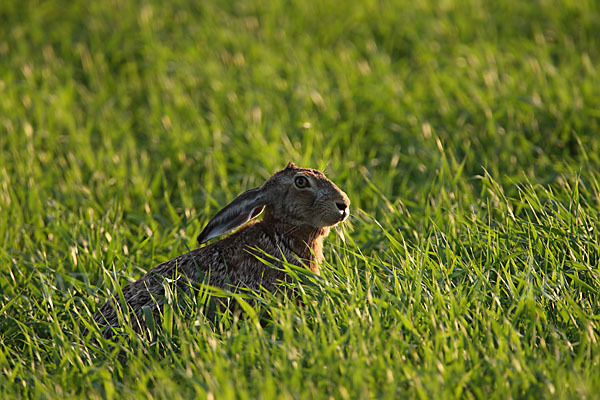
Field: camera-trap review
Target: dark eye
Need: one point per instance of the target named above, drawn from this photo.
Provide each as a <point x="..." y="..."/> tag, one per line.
<point x="301" y="182"/>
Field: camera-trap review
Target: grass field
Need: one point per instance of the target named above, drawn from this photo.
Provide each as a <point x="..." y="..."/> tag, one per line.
<point x="466" y="134"/>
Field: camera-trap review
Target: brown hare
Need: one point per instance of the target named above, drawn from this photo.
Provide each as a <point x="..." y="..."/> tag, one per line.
<point x="300" y="205"/>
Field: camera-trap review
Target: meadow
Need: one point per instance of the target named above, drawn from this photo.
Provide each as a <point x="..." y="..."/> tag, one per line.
<point x="466" y="134"/>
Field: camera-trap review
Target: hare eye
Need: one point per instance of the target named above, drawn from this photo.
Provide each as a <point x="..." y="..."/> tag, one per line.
<point x="301" y="182"/>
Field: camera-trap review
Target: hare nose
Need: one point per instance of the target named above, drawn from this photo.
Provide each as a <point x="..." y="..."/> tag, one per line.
<point x="341" y="206"/>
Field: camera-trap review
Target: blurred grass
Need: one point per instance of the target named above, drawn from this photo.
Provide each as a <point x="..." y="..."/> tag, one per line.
<point x="466" y="134"/>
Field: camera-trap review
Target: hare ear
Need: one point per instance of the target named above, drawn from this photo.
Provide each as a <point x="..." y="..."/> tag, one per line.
<point x="241" y="210"/>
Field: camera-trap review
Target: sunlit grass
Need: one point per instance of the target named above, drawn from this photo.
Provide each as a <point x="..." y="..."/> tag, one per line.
<point x="466" y="134"/>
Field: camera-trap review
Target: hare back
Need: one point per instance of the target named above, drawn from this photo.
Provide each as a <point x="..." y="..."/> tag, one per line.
<point x="229" y="264"/>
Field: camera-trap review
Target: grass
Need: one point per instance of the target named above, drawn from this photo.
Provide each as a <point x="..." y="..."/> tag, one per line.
<point x="466" y="133"/>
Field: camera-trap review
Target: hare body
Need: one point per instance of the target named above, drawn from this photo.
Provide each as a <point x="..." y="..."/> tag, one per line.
<point x="300" y="207"/>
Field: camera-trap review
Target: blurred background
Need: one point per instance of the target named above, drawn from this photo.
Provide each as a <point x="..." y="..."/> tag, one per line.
<point x="130" y="100"/>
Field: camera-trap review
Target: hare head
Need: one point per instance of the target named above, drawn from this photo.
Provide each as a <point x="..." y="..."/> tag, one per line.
<point x="295" y="196"/>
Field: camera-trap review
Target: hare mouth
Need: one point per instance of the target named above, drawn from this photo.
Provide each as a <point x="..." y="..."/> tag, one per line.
<point x="335" y="219"/>
<point x="344" y="216"/>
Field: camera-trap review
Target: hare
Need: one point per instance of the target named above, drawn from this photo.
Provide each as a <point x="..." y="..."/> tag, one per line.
<point x="300" y="205"/>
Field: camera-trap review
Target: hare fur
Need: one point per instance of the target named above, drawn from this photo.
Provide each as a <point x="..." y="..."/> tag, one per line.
<point x="300" y="205"/>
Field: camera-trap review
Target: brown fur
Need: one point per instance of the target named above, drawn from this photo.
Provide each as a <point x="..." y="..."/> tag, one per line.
<point x="295" y="222"/>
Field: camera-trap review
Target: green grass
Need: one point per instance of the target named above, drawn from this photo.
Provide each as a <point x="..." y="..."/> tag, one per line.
<point x="466" y="134"/>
